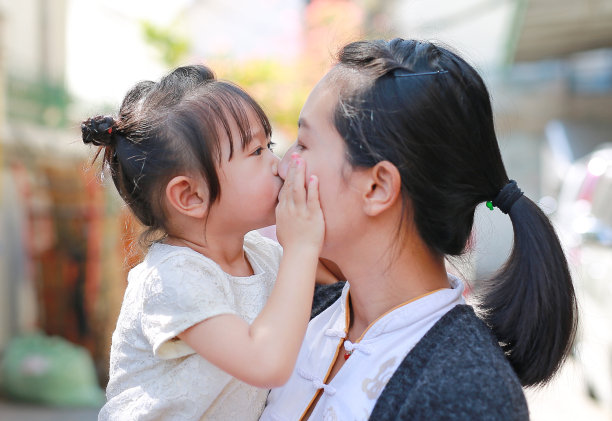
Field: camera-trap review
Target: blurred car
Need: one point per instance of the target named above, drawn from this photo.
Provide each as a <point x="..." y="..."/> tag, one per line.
<point x="584" y="222"/>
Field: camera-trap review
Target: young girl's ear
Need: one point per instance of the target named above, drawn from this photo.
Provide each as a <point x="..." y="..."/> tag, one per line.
<point x="187" y="195"/>
<point x="383" y="188"/>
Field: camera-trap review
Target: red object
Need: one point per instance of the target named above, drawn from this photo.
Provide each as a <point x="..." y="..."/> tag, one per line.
<point x="110" y="130"/>
<point x="347" y="355"/>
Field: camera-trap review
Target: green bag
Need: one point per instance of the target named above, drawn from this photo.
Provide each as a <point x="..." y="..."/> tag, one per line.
<point x="50" y="371"/>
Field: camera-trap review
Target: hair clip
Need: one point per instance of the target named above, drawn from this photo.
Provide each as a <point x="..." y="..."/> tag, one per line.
<point x="437" y="72"/>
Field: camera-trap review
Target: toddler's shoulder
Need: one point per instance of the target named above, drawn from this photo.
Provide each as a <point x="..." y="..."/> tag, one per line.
<point x="166" y="263"/>
<point x="262" y="246"/>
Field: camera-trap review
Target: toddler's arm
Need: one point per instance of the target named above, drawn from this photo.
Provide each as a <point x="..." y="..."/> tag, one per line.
<point x="263" y="354"/>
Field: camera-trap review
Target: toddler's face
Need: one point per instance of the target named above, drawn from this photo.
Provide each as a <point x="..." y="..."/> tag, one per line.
<point x="249" y="181"/>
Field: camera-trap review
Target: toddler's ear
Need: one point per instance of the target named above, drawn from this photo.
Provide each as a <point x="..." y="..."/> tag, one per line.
<point x="384" y="185"/>
<point x="188" y="195"/>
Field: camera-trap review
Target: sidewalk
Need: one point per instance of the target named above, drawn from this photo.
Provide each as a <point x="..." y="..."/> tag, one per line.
<point x="563" y="399"/>
<point x="11" y="411"/>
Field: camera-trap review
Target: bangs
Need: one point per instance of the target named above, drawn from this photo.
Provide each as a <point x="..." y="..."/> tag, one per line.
<point x="197" y="127"/>
<point x="230" y="104"/>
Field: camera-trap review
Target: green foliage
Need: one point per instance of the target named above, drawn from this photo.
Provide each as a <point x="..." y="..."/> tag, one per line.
<point x="279" y="87"/>
<point x="171" y="46"/>
<point x="39" y="101"/>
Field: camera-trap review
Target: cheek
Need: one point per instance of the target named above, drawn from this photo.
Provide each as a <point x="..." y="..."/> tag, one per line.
<point x="329" y="194"/>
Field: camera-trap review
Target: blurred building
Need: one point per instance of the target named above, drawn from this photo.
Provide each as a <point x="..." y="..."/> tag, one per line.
<point x="32" y="125"/>
<point x="560" y="80"/>
<point x="53" y="211"/>
<point x="552" y="99"/>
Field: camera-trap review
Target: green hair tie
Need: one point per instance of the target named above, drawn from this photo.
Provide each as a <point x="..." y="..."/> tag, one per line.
<point x="489" y="204"/>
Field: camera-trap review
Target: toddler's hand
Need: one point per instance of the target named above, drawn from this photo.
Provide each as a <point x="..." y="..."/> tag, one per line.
<point x="299" y="219"/>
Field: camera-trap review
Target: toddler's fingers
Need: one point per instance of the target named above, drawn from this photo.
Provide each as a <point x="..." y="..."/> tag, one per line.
<point x="285" y="192"/>
<point x="298" y="189"/>
<point x="313" y="193"/>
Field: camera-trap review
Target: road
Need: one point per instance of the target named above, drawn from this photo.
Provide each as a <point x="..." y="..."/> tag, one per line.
<point x="563" y="399"/>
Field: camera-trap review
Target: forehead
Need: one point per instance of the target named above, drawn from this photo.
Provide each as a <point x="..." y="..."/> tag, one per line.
<point x="338" y="85"/>
<point x="317" y="130"/>
<point x="317" y="112"/>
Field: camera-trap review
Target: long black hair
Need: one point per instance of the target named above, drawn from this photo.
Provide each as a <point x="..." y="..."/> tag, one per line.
<point x="168" y="128"/>
<point x="424" y="109"/>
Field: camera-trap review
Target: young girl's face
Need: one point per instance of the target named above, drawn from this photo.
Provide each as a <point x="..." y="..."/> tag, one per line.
<point x="249" y="181"/>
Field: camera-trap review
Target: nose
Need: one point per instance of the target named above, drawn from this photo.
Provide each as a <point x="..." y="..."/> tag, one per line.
<point x="283" y="166"/>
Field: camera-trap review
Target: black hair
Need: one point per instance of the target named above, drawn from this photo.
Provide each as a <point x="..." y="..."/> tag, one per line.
<point x="167" y="128"/>
<point x="427" y="111"/>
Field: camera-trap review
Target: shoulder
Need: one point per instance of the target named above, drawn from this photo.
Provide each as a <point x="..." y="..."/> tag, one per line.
<point x="168" y="257"/>
<point x="165" y="267"/>
<point x="458" y="359"/>
<point x="263" y="247"/>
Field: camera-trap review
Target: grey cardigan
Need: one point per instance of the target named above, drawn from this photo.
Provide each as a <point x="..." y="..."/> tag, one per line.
<point x="457" y="371"/>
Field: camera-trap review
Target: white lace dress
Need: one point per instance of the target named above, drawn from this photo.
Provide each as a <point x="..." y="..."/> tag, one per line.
<point x="156" y="376"/>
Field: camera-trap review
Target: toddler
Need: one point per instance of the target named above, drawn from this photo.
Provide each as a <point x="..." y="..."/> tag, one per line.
<point x="215" y="314"/>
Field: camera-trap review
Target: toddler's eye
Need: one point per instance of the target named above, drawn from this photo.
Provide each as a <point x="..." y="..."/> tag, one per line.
<point x="258" y="151"/>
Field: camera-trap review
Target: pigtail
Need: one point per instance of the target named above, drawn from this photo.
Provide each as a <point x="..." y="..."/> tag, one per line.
<point x="100" y="131"/>
<point x="530" y="303"/>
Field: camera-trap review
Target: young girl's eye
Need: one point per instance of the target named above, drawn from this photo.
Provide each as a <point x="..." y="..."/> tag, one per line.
<point x="259" y="150"/>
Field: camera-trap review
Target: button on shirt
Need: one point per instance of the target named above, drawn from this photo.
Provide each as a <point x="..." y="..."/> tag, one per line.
<point x="352" y="393"/>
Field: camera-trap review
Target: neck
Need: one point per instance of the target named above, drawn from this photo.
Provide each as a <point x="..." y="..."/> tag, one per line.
<point x="382" y="278"/>
<point x="224" y="249"/>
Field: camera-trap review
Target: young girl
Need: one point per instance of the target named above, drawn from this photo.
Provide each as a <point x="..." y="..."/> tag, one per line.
<point x="401" y="136"/>
<point x="202" y="333"/>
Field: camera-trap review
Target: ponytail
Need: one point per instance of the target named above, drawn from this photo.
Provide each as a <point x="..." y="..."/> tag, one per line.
<point x="530" y="303"/>
<point x="436" y="126"/>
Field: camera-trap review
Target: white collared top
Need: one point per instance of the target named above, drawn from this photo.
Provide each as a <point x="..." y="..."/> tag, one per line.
<point x="352" y="393"/>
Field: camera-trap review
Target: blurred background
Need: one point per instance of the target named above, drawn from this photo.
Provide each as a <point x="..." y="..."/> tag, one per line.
<point x="66" y="240"/>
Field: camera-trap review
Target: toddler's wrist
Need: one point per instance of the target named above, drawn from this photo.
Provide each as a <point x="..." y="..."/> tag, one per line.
<point x="303" y="249"/>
